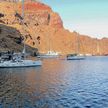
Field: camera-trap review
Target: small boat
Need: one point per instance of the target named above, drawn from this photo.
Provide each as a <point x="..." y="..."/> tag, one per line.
<point x="88" y="55"/>
<point x="75" y="57"/>
<point x="49" y="54"/>
<point x="21" y="63"/>
<point x="13" y="60"/>
<point x="52" y="54"/>
<point x="17" y="60"/>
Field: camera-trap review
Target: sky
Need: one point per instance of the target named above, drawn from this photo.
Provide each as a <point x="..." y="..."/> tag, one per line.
<point x="89" y="17"/>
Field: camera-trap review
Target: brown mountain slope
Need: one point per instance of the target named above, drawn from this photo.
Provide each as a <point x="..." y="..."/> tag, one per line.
<point x="10" y="39"/>
<point x="44" y="28"/>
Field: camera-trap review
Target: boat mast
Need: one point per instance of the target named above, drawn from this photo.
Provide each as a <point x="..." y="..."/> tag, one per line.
<point x="98" y="48"/>
<point x="23" y="10"/>
<point x="78" y="43"/>
<point x="24" y="49"/>
<point x="49" y="44"/>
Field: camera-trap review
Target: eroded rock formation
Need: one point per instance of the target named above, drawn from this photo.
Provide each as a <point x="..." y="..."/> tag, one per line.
<point x="43" y="27"/>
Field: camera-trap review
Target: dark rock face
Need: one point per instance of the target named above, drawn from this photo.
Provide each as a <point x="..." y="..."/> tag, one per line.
<point x="11" y="39"/>
<point x="1" y="15"/>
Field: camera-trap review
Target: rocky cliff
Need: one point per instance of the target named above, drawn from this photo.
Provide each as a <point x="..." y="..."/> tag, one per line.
<point x="43" y="29"/>
<point x="11" y="40"/>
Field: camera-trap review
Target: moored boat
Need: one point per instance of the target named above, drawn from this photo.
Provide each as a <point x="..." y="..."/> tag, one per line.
<point x="21" y="63"/>
<point x="75" y="57"/>
<point x="49" y="54"/>
<point x="13" y="60"/>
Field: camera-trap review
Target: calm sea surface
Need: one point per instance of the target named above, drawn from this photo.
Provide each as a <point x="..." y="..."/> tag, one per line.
<point x="57" y="84"/>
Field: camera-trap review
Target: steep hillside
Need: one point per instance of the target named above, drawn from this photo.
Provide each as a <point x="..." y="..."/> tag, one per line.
<point x="43" y="28"/>
<point x="11" y="39"/>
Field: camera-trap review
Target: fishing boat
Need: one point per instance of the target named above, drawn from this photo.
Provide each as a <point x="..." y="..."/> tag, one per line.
<point x="77" y="55"/>
<point x="14" y="60"/>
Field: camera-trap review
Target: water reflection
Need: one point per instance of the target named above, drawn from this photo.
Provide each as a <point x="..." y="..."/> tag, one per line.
<point x="14" y="90"/>
<point x="57" y="84"/>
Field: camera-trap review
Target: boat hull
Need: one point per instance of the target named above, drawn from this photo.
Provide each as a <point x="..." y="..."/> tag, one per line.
<point x="75" y="58"/>
<point x="18" y="64"/>
<point x="48" y="56"/>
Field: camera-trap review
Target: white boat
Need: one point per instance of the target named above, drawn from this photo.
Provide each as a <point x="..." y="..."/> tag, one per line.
<point x="52" y="53"/>
<point x="49" y="54"/>
<point x="88" y="55"/>
<point x="19" y="59"/>
<point x="21" y="63"/>
<point x="76" y="56"/>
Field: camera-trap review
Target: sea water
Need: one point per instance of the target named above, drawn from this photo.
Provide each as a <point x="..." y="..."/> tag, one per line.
<point x="58" y="83"/>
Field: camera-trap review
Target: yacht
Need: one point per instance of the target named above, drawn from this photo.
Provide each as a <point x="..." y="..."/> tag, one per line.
<point x="13" y="60"/>
<point x="49" y="54"/>
<point x="77" y="55"/>
<point x="19" y="62"/>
